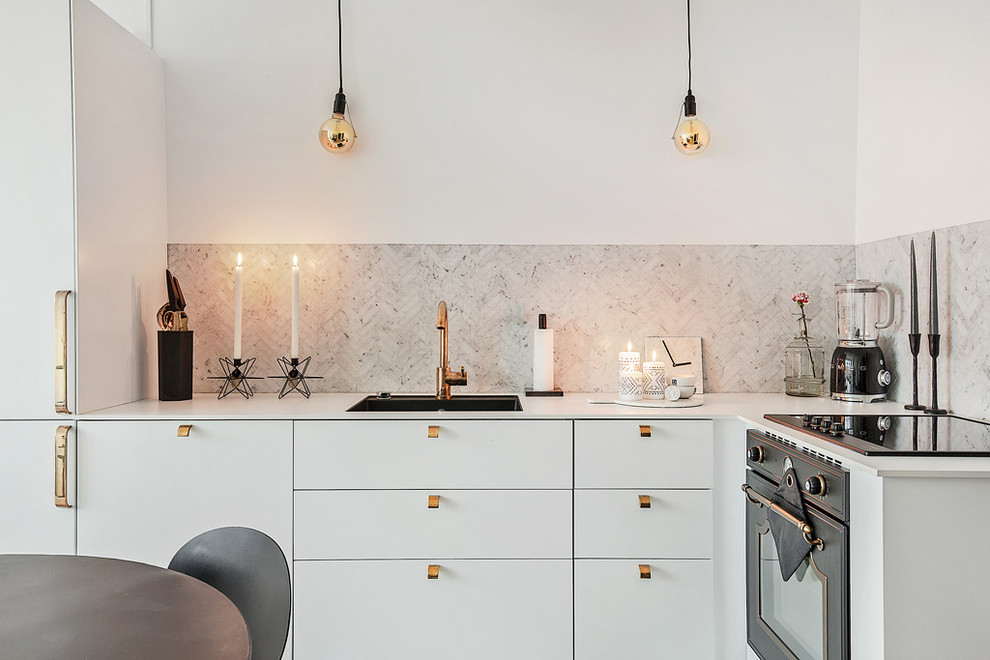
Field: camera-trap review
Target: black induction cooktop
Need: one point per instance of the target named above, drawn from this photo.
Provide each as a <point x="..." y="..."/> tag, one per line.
<point x="896" y="435"/>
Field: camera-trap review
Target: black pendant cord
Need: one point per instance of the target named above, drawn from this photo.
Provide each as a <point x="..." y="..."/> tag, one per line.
<point x="681" y="111"/>
<point x="689" y="43"/>
<point x="340" y="49"/>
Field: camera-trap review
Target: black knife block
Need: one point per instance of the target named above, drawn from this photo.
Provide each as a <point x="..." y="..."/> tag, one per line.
<point x="175" y="365"/>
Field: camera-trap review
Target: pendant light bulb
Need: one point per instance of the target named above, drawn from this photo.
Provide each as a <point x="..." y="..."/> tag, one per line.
<point x="692" y="135"/>
<point x="337" y="134"/>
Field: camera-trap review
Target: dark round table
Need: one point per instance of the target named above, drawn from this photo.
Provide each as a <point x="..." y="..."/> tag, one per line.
<point x="56" y="606"/>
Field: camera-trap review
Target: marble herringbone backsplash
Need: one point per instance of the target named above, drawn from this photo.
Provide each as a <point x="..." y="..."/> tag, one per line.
<point x="368" y="312"/>
<point x="963" y="258"/>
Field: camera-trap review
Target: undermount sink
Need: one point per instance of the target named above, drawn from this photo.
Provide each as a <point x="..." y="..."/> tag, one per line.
<point x="427" y="403"/>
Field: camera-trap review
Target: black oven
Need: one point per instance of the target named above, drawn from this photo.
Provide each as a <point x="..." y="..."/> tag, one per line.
<point x="806" y="617"/>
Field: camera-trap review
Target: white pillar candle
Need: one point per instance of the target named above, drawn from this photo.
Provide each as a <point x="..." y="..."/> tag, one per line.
<point x="631" y="386"/>
<point x="294" y="350"/>
<point x="628" y="360"/>
<point x="654" y="380"/>
<point x="238" y="271"/>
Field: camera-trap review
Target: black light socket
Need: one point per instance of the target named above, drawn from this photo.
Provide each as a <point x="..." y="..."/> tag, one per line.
<point x="339" y="102"/>
<point x="690" y="107"/>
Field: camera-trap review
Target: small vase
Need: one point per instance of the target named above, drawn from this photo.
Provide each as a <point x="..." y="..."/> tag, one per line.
<point x="804" y="365"/>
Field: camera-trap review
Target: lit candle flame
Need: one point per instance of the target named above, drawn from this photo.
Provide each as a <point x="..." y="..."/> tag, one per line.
<point x="629" y="347"/>
<point x="238" y="258"/>
<point x="654" y="356"/>
<point x="295" y="260"/>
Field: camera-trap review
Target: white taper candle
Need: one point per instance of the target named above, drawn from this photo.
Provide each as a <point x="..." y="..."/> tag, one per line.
<point x="238" y="271"/>
<point x="294" y="351"/>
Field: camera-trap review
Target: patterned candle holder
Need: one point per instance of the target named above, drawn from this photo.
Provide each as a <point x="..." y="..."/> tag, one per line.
<point x="654" y="380"/>
<point x="631" y="386"/>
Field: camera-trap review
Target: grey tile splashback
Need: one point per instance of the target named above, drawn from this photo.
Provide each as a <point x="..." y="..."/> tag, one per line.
<point x="963" y="257"/>
<point x="368" y="312"/>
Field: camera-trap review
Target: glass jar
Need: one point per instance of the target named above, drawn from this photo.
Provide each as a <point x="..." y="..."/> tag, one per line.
<point x="804" y="365"/>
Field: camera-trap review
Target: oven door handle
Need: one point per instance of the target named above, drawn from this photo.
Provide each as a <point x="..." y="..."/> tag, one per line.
<point x="804" y="527"/>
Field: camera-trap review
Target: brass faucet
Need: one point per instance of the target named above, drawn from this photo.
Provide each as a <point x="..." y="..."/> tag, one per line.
<point x="446" y="377"/>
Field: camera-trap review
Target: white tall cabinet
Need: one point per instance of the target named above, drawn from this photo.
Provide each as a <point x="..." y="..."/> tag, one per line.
<point x="82" y="211"/>
<point x="82" y="206"/>
<point x="30" y="521"/>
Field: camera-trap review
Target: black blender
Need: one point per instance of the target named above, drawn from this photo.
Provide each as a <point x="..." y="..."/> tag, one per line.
<point x="859" y="369"/>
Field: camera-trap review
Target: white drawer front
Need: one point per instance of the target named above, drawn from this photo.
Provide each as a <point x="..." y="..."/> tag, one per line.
<point x="618" y="614"/>
<point x="389" y="610"/>
<point x="615" y="454"/>
<point x="465" y="454"/>
<point x="397" y="524"/>
<point x="612" y="523"/>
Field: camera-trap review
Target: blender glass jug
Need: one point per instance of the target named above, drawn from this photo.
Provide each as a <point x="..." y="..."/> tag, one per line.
<point x="857" y="312"/>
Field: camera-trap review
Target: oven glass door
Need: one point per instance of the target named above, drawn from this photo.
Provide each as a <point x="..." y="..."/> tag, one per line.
<point x="794" y="610"/>
<point x="806" y="617"/>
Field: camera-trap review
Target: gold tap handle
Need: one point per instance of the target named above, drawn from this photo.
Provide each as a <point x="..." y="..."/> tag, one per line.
<point x="61" y="352"/>
<point x="61" y="467"/>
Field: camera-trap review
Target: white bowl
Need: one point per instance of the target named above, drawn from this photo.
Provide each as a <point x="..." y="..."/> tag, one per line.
<point x="687" y="392"/>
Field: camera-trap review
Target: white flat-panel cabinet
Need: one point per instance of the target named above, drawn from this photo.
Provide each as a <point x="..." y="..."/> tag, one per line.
<point x="37" y="459"/>
<point x="643" y="539"/>
<point x="82" y="207"/>
<point x="485" y="505"/>
<point x="393" y="610"/>
<point x="621" y="613"/>
<point x="144" y="490"/>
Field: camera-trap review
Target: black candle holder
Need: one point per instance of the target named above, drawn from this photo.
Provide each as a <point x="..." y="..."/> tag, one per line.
<point x="933" y="345"/>
<point x="294" y="374"/>
<point x="235" y="377"/>
<point x="914" y="339"/>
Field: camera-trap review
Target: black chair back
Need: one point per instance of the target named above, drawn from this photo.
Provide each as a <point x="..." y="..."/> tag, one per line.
<point x="248" y="567"/>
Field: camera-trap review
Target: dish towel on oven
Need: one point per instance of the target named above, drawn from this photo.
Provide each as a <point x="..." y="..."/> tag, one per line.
<point x="791" y="544"/>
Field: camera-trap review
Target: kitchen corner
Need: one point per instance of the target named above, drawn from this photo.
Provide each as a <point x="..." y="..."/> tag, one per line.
<point x="492" y="363"/>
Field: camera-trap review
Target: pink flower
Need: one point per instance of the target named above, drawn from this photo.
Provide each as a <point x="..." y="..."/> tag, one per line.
<point x="801" y="298"/>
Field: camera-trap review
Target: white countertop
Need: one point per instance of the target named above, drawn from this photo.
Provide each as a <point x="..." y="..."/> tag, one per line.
<point x="749" y="408"/>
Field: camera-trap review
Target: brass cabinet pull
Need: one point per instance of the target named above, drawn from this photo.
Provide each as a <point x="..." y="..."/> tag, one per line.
<point x="644" y="501"/>
<point x="61" y="467"/>
<point x="183" y="431"/>
<point x="433" y="502"/>
<point x="645" y="431"/>
<point x="433" y="432"/>
<point x="644" y="572"/>
<point x="433" y="572"/>
<point x="61" y="352"/>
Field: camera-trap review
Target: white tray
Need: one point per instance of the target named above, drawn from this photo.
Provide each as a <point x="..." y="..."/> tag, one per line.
<point x="692" y="402"/>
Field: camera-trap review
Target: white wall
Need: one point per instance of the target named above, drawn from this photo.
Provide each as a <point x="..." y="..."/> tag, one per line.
<point x="923" y="107"/>
<point x="510" y="121"/>
<point x="134" y="15"/>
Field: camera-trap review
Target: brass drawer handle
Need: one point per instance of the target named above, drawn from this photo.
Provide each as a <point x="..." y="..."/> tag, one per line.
<point x="61" y="467"/>
<point x="645" y="431"/>
<point x="644" y="501"/>
<point x="644" y="572"/>
<point x="433" y="502"/>
<point x="433" y="432"/>
<point x="183" y="431"/>
<point x="433" y="572"/>
<point x="61" y="352"/>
